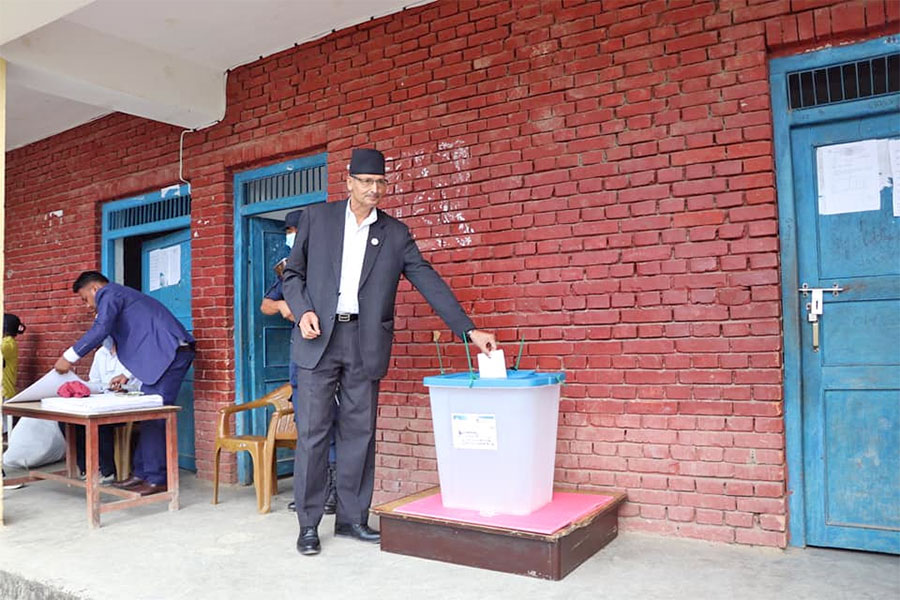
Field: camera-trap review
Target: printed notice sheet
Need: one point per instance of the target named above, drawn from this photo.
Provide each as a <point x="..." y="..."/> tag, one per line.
<point x="848" y="177"/>
<point x="473" y="431"/>
<point x="894" y="154"/>
<point x="165" y="267"/>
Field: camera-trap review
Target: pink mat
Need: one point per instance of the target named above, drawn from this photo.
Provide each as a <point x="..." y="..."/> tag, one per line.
<point x="563" y="509"/>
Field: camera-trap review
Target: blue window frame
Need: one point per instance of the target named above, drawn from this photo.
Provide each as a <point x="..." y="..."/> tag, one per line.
<point x="163" y="210"/>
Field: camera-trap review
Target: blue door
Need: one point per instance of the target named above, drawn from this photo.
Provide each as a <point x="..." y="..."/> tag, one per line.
<point x="851" y="381"/>
<point x="166" y="276"/>
<point x="270" y="335"/>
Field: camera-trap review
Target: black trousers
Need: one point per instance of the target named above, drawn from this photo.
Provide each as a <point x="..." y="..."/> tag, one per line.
<point x="354" y="437"/>
<point x="149" y="458"/>
<point x="107" y="448"/>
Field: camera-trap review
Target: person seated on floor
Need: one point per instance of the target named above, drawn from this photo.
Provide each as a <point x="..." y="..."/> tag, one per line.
<point x="107" y="374"/>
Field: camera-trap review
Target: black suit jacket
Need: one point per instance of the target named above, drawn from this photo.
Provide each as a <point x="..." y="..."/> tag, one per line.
<point x="312" y="278"/>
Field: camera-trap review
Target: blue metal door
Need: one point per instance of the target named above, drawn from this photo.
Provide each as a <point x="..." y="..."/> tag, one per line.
<point x="270" y="335"/>
<point x="166" y="276"/>
<point x="262" y="344"/>
<point x="851" y="382"/>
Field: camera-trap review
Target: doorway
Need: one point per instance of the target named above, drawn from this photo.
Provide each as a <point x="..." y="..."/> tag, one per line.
<point x="147" y="246"/>
<point x="837" y="125"/>
<point x="262" y="197"/>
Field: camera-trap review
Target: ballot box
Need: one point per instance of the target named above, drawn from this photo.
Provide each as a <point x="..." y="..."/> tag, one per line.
<point x="495" y="440"/>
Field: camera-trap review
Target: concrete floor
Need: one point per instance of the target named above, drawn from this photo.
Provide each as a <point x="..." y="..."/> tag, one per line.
<point x="229" y="551"/>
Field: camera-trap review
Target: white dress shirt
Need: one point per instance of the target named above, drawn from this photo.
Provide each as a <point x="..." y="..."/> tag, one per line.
<point x="355" y="238"/>
<point x="106" y="365"/>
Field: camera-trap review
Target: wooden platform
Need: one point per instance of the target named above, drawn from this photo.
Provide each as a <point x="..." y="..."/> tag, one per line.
<point x="550" y="556"/>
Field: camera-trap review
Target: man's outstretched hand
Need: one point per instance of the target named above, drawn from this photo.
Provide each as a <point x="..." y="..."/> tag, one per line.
<point x="62" y="365"/>
<point x="485" y="341"/>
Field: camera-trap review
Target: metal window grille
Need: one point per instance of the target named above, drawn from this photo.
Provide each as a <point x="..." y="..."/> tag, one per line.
<point x="843" y="82"/>
<point x="152" y="212"/>
<point x="284" y="185"/>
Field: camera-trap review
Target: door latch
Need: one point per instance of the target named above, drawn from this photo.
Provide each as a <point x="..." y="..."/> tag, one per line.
<point x="816" y="307"/>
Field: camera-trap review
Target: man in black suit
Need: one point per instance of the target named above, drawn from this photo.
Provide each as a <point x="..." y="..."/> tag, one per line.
<point x="341" y="281"/>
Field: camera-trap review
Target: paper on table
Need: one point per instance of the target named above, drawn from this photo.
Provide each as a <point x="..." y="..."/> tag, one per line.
<point x="848" y="177"/>
<point x="100" y="403"/>
<point x="493" y="366"/>
<point x="45" y="386"/>
<point x="894" y="154"/>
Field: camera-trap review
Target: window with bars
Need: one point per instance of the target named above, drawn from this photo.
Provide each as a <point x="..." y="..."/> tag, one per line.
<point x="286" y="184"/>
<point x="847" y="81"/>
<point x="151" y="212"/>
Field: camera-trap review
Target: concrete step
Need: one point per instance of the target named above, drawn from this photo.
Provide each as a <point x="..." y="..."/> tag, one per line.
<point x="16" y="587"/>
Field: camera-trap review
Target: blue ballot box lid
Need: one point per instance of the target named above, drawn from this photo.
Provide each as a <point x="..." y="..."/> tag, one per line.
<point x="514" y="379"/>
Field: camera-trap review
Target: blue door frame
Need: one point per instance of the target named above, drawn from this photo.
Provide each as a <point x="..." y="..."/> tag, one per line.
<point x="794" y="317"/>
<point x="270" y="337"/>
<point x="166" y="210"/>
<point x="248" y="275"/>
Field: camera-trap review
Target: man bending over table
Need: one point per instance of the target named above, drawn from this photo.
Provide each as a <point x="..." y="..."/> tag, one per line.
<point x="153" y="345"/>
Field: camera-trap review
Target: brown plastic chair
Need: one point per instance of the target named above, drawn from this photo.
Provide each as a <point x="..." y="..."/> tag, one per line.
<point x="254" y="444"/>
<point x="282" y="433"/>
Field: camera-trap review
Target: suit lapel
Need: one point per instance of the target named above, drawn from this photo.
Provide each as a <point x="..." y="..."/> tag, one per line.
<point x="373" y="247"/>
<point x="337" y="233"/>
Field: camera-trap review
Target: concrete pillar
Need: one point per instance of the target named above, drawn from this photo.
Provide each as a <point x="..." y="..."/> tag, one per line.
<point x="2" y="218"/>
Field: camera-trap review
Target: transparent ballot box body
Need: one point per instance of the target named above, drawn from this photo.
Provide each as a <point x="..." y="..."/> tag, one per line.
<point x="495" y="440"/>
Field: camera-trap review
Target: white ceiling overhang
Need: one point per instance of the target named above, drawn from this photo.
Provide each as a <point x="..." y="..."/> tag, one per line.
<point x="70" y="61"/>
<point x="116" y="75"/>
<point x="23" y="16"/>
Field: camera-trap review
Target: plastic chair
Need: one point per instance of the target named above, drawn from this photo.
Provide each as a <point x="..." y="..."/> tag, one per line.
<point x="282" y="433"/>
<point x="254" y="444"/>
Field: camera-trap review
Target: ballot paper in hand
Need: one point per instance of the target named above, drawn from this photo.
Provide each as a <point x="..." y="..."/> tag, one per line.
<point x="493" y="366"/>
<point x="45" y="387"/>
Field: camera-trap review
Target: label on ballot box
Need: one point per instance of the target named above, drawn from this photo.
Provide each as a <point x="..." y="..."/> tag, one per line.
<point x="474" y="432"/>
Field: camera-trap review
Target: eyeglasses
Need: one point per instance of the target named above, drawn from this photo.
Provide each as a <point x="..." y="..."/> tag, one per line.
<point x="369" y="182"/>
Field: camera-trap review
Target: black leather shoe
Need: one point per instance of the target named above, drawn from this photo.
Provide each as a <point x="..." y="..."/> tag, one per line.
<point x="363" y="533"/>
<point x="331" y="502"/>
<point x="292" y="507"/>
<point x="148" y="489"/>
<point x="129" y="483"/>
<point x="331" y="494"/>
<point x="330" y="506"/>
<point x="308" y="542"/>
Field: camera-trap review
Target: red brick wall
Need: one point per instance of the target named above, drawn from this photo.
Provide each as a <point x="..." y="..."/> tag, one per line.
<point x="595" y="176"/>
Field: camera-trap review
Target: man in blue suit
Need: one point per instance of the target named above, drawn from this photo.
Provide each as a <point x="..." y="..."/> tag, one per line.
<point x="153" y="345"/>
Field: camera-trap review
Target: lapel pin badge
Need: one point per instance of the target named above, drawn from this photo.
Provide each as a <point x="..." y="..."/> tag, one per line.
<point x="374" y="241"/>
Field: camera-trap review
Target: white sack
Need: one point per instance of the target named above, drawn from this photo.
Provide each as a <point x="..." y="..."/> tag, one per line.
<point x="34" y="442"/>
